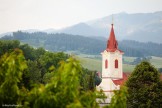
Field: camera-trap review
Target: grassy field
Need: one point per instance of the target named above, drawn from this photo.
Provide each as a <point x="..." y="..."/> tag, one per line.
<point x="129" y="59"/>
<point x="93" y="63"/>
<point x="156" y="61"/>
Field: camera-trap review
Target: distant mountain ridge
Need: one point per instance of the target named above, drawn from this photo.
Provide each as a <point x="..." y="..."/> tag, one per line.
<point x="82" y="44"/>
<point x="143" y="27"/>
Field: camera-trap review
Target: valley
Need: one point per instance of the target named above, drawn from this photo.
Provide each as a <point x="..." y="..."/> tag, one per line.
<point x="92" y="62"/>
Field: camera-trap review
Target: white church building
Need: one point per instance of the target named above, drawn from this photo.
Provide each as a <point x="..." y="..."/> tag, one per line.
<point x="112" y="69"/>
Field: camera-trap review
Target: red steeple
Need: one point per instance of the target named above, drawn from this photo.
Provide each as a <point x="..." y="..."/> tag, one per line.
<point x="112" y="44"/>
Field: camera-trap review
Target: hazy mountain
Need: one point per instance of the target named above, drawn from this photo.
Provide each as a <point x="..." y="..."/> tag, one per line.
<point x="141" y="27"/>
<point x="28" y="31"/>
<point x="81" y="29"/>
<point x="51" y="30"/>
<point x="4" y="34"/>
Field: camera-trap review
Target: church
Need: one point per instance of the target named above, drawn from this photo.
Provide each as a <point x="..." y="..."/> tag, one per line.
<point x="112" y="69"/>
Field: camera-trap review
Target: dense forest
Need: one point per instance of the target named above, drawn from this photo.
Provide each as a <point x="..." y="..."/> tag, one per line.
<point x="81" y="44"/>
<point x="28" y="76"/>
<point x="40" y="63"/>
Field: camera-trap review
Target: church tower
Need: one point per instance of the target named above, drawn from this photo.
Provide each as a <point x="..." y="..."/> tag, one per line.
<point x="112" y="70"/>
<point x="112" y="58"/>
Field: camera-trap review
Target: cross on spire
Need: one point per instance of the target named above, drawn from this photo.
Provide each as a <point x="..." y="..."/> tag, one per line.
<point x="112" y="19"/>
<point x="112" y="43"/>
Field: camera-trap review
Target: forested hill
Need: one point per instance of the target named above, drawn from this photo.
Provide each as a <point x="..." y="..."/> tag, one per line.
<point x="81" y="44"/>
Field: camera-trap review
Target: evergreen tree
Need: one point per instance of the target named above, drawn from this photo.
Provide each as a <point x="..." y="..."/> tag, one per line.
<point x="144" y="87"/>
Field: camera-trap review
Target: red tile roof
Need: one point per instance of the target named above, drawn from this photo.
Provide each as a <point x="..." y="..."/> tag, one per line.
<point x="121" y="81"/>
<point x="125" y="78"/>
<point x="161" y="76"/>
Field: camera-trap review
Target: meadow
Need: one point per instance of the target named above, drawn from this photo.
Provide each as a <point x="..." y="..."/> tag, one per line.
<point x="93" y="62"/>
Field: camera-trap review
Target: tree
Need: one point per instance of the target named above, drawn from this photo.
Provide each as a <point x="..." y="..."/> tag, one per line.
<point x="63" y="91"/>
<point x="12" y="66"/>
<point x="8" y="46"/>
<point x="60" y="85"/>
<point x="119" y="99"/>
<point x="39" y="52"/>
<point x="28" y="52"/>
<point x="89" y="79"/>
<point x="49" y="59"/>
<point x="34" y="73"/>
<point x="144" y="87"/>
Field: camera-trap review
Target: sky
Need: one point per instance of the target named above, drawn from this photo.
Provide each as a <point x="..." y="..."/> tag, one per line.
<point x="44" y="14"/>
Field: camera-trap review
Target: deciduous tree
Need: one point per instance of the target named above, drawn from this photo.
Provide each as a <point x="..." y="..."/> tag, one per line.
<point x="12" y="66"/>
<point x="144" y="87"/>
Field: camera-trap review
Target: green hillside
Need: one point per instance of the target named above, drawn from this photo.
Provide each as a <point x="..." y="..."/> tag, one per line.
<point x="93" y="63"/>
<point x="81" y="44"/>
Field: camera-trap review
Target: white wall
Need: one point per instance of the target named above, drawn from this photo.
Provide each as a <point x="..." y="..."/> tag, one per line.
<point x="111" y="71"/>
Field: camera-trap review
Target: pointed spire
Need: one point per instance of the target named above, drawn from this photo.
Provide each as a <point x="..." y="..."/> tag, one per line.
<point x="112" y="19"/>
<point x="112" y="43"/>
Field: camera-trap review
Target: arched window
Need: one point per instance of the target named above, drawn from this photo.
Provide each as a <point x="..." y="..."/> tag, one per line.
<point x="116" y="63"/>
<point x="106" y="64"/>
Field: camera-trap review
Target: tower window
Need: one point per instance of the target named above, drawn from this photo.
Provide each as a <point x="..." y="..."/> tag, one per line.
<point x="106" y="64"/>
<point x="116" y="63"/>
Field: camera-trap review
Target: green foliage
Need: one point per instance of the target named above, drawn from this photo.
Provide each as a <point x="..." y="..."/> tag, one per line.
<point x="119" y="99"/>
<point x="38" y="61"/>
<point x="28" y="51"/>
<point x="89" y="79"/>
<point x="12" y="66"/>
<point x="63" y="90"/>
<point x="45" y="83"/>
<point x="39" y="52"/>
<point x="144" y="87"/>
<point x="47" y="77"/>
<point x="49" y="59"/>
<point x="66" y="42"/>
<point x="8" y="46"/>
<point x="34" y="72"/>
